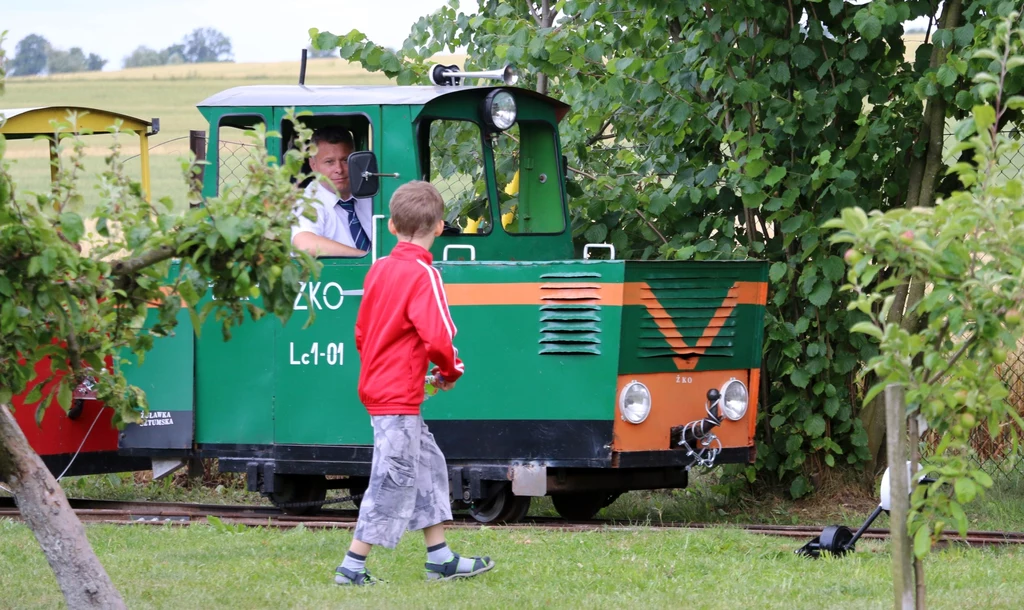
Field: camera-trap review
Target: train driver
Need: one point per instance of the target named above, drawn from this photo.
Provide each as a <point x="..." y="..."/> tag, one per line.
<point x="342" y="226"/>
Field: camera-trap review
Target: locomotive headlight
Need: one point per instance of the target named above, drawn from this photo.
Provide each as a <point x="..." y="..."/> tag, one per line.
<point x="734" y="399"/>
<point x="499" y="110"/>
<point x="635" y="402"/>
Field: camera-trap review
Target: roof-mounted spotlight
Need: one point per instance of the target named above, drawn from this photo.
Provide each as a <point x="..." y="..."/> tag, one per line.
<point x="499" y="110"/>
<point x="451" y="76"/>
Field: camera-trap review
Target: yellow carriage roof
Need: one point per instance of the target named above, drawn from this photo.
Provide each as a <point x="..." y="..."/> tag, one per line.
<point x="30" y="122"/>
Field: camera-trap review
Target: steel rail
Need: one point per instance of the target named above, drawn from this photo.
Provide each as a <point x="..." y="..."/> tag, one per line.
<point x="174" y="513"/>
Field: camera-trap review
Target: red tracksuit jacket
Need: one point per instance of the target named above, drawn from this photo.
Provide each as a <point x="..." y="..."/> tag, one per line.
<point x="403" y="324"/>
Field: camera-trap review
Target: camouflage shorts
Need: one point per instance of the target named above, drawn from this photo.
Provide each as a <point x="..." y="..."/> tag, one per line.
<point x="408" y="482"/>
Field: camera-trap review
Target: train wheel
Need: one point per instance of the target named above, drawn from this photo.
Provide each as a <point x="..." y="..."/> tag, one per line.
<point x="504" y="506"/>
<point x="299" y="488"/>
<point x="583" y="505"/>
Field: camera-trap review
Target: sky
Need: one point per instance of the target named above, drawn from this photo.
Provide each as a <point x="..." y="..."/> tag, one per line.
<point x="260" y="30"/>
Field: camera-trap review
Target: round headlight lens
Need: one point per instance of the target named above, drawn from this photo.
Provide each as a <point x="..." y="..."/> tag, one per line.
<point x="734" y="399"/>
<point x="635" y="402"/>
<point x="501" y="109"/>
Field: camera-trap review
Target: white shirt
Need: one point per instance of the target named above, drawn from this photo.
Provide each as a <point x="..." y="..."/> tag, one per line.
<point x="332" y="221"/>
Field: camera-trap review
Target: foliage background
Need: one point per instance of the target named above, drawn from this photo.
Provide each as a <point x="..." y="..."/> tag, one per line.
<point x="710" y="130"/>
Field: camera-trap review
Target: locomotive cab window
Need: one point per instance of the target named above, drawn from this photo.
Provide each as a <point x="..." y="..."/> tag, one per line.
<point x="236" y="150"/>
<point x="357" y="125"/>
<point x="453" y="161"/>
<point x="526" y="172"/>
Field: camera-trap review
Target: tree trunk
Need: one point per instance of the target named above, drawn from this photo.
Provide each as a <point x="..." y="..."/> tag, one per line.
<point x="923" y="176"/>
<point x="45" y="509"/>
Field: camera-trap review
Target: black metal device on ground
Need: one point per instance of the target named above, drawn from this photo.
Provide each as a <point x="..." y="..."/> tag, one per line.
<point x="839" y="540"/>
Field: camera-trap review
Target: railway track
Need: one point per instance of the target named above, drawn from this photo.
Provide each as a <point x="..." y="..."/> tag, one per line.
<point x="172" y="513"/>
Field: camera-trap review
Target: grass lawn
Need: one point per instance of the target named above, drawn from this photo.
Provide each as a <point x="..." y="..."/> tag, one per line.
<point x="202" y="566"/>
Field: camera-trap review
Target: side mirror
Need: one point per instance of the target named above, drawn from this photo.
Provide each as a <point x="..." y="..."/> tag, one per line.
<point x="362" y="174"/>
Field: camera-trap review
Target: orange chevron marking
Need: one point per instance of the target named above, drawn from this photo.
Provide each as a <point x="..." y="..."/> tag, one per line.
<point x="741" y="293"/>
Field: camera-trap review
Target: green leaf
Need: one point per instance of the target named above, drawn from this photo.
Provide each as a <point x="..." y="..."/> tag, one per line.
<point x="815" y="425"/>
<point x="34" y="395"/>
<point x="855" y="218"/>
<point x="774" y="175"/>
<point x="821" y="294"/>
<point x="753" y="200"/>
<point x="6" y="289"/>
<point x="964" y="36"/>
<point x="756" y="167"/>
<point x="597" y="233"/>
<point x="230" y="229"/>
<point x="984" y="117"/>
<point x="595" y="53"/>
<point x="324" y="40"/>
<point x="869" y="26"/>
<point x="777" y="271"/>
<point x="965" y="100"/>
<point x="779" y="72"/>
<point x="659" y="203"/>
<point x="982" y="478"/>
<point x="965" y="490"/>
<point x="946" y="76"/>
<point x="64" y="394"/>
<point x="867" y="328"/>
<point x="72" y="226"/>
<point x="800" y="487"/>
<point x="942" y="38"/>
<point x="40" y="412"/>
<point x="922" y="541"/>
<point x="800" y="378"/>
<point x="559" y="56"/>
<point x="833" y="267"/>
<point x="803" y="56"/>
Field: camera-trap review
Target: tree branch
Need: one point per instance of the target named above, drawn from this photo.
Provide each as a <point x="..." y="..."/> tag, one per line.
<point x="952" y="361"/>
<point x="823" y="51"/>
<point x="600" y="132"/>
<point x="129" y="266"/>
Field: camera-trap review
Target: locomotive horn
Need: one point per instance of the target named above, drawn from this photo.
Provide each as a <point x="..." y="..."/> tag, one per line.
<point x="451" y="75"/>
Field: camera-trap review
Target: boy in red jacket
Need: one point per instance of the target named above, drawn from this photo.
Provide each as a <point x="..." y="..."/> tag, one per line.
<point x="403" y="324"/>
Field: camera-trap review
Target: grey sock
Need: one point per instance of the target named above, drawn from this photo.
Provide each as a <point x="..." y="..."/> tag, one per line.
<point x="354" y="562"/>
<point x="440" y="553"/>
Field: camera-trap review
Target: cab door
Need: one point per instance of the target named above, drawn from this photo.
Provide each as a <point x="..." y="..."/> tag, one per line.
<point x="316" y="369"/>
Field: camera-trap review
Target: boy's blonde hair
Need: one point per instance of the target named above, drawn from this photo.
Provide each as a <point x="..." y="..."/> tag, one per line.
<point x="416" y="207"/>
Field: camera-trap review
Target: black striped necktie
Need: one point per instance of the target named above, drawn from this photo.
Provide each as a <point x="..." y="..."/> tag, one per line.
<point x="359" y="237"/>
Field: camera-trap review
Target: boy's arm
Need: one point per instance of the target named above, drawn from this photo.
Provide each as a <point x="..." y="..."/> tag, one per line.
<point x="428" y="312"/>
<point x="359" y="334"/>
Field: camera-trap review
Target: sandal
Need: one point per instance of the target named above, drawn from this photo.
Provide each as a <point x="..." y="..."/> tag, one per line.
<point x="450" y="569"/>
<point x="347" y="577"/>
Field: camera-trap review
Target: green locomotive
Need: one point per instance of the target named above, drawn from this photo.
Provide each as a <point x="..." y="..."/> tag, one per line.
<point x="585" y="378"/>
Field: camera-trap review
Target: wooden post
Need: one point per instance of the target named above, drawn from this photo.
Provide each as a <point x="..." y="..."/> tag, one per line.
<point x="197" y="144"/>
<point x="896" y="441"/>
